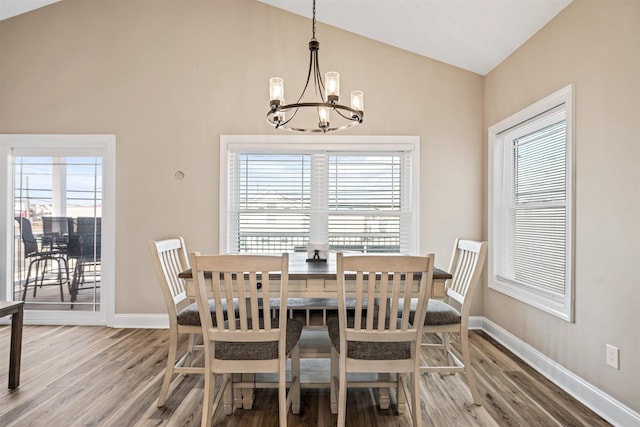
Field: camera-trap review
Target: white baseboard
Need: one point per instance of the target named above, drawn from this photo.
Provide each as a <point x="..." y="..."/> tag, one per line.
<point x="144" y="321"/>
<point x="476" y="322"/>
<point x="598" y="401"/>
<point x="133" y="320"/>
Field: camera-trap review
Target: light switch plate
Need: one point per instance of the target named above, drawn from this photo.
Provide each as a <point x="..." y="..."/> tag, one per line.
<point x="613" y="356"/>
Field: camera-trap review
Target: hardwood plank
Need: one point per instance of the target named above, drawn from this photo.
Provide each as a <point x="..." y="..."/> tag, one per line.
<point x="94" y="376"/>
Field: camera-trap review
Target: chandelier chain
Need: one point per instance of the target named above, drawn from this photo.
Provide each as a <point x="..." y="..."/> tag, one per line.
<point x="313" y="26"/>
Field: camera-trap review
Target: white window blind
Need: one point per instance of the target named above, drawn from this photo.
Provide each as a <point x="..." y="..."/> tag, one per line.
<point x="273" y="201"/>
<point x="530" y="218"/>
<point x="279" y="198"/>
<point x="536" y="212"/>
<point x="366" y="201"/>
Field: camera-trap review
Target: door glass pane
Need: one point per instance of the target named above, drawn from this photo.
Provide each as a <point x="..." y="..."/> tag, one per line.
<point x="57" y="232"/>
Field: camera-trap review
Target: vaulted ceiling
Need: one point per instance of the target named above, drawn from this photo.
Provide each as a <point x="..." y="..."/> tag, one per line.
<point x="475" y="35"/>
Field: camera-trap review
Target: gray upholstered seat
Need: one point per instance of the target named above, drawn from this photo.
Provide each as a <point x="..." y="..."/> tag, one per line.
<point x="189" y="315"/>
<point x="438" y="313"/>
<point x="314" y="303"/>
<point x="306" y="303"/>
<point x="368" y="350"/>
<point x="259" y="350"/>
<point x="441" y="313"/>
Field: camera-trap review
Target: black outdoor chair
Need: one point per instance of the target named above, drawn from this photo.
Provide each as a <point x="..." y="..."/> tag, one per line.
<point x="56" y="229"/>
<point x="41" y="256"/>
<point x="84" y="248"/>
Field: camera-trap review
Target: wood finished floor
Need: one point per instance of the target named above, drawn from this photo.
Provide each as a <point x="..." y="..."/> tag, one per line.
<point x="95" y="376"/>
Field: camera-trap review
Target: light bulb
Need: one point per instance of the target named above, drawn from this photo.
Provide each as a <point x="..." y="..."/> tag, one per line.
<point x="357" y="100"/>
<point x="323" y="114"/>
<point x="332" y="85"/>
<point x="276" y="90"/>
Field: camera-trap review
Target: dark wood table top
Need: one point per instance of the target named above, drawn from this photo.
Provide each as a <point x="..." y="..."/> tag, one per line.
<point x="9" y="307"/>
<point x="300" y="269"/>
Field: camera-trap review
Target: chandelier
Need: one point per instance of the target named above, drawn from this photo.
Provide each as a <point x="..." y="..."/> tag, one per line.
<point x="318" y="113"/>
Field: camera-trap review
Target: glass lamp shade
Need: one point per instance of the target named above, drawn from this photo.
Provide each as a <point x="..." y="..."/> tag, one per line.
<point x="276" y="90"/>
<point x="332" y="85"/>
<point x="357" y="100"/>
<point x="323" y="117"/>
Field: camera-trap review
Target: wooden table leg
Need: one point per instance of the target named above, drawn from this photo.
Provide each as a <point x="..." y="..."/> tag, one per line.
<point x="384" y="397"/>
<point x="247" y="393"/>
<point x="16" y="348"/>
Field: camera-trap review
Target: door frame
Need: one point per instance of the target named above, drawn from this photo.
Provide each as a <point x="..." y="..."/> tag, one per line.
<point x="90" y="144"/>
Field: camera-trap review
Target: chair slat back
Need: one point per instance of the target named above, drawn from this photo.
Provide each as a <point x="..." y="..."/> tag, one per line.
<point x="249" y="281"/>
<point x="466" y="267"/>
<point x="170" y="259"/>
<point x="384" y="287"/>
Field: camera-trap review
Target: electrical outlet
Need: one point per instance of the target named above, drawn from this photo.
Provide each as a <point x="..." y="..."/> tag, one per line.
<point x="613" y="356"/>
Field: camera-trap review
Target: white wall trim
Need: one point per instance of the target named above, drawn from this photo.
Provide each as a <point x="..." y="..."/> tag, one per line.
<point x="59" y="321"/>
<point x="476" y="322"/>
<point x="551" y="109"/>
<point x="124" y="321"/>
<point x="143" y="321"/>
<point x="282" y="142"/>
<point x="598" y="401"/>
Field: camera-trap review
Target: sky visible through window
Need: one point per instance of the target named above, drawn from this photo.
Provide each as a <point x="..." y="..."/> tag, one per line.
<point x="34" y="182"/>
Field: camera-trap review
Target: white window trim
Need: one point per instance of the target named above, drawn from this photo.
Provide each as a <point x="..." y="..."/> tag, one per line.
<point x="325" y="142"/>
<point x="104" y="145"/>
<point x="563" y="308"/>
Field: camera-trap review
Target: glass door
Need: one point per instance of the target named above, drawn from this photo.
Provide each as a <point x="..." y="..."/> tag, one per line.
<point x="58" y="227"/>
<point x="57" y="232"/>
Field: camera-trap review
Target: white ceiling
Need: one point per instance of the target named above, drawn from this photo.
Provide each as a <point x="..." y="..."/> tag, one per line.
<point x="475" y="35"/>
<point x="10" y="8"/>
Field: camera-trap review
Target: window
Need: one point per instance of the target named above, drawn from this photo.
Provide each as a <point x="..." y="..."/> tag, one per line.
<point x="530" y="203"/>
<point x="356" y="193"/>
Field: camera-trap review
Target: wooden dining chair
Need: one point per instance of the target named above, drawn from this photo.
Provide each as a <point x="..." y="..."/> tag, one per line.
<point x="443" y="318"/>
<point x="374" y="334"/>
<point x="248" y="340"/>
<point x="170" y="259"/>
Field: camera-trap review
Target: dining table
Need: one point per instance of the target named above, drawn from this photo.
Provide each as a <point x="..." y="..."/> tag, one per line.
<point x="312" y="296"/>
<point x="311" y="279"/>
<point x="16" y="310"/>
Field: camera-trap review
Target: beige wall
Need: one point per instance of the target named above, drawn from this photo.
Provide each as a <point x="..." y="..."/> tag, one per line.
<point x="594" y="44"/>
<point x="169" y="77"/>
